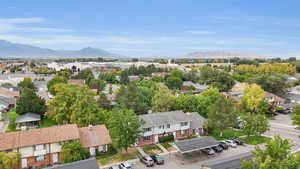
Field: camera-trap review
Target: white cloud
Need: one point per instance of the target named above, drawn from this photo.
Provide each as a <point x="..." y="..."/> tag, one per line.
<point x="199" y="32"/>
<point x="22" y="20"/>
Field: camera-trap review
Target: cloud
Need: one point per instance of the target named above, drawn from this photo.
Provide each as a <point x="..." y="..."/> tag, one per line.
<point x="199" y="32"/>
<point x="13" y="25"/>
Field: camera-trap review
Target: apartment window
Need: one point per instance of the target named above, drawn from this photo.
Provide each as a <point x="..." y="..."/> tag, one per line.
<point x="147" y="129"/>
<point x="39" y="147"/>
<point x="40" y="158"/>
<point x="147" y="138"/>
<point x="184" y="123"/>
<point x="161" y="127"/>
<point x="168" y="126"/>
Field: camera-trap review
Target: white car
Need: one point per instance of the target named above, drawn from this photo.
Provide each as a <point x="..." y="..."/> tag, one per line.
<point x="231" y="143"/>
<point x="125" y="165"/>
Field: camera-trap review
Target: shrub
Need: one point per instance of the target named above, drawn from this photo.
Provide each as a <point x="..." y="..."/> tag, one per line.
<point x="164" y="139"/>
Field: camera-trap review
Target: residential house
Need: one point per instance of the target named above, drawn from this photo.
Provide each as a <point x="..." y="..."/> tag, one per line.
<point x="176" y="123"/>
<point x="9" y="93"/>
<point x="77" y="81"/>
<point x="196" y="87"/>
<point x="160" y="74"/>
<point x="43" y="146"/>
<point x="28" y="121"/>
<point x="133" y="78"/>
<point x="90" y="163"/>
<point x="7" y="103"/>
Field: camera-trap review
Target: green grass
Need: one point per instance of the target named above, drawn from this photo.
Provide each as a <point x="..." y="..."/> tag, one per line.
<point x="12" y="121"/>
<point x="116" y="157"/>
<point x="254" y="140"/>
<point x="45" y="122"/>
<point x="168" y="146"/>
<point x="4" y="115"/>
<point x="227" y="134"/>
<point x="152" y="149"/>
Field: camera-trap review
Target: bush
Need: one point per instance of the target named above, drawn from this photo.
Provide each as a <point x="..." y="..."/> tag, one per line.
<point x="164" y="139"/>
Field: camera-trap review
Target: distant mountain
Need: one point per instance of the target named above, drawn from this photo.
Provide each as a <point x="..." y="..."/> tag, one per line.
<point x="220" y="54"/>
<point x="8" y="49"/>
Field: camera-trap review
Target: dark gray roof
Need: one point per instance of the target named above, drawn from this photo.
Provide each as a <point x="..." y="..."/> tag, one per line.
<point x="90" y="163"/>
<point x="197" y="121"/>
<point x="233" y="162"/>
<point x="195" y="144"/>
<point x="293" y="96"/>
<point x="6" y="101"/>
<point x="10" y="87"/>
<point x="28" y="117"/>
<point x="171" y="117"/>
<point x="288" y="105"/>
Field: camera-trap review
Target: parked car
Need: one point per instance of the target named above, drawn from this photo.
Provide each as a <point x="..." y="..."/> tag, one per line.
<point x="147" y="160"/>
<point x="158" y="159"/>
<point x="231" y="143"/>
<point x="208" y="151"/>
<point x="238" y="141"/>
<point x="217" y="149"/>
<point x="224" y="145"/>
<point x="125" y="165"/>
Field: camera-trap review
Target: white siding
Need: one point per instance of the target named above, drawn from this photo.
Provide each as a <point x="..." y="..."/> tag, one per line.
<point x="173" y="127"/>
<point x="55" y="147"/>
<point x="26" y="151"/>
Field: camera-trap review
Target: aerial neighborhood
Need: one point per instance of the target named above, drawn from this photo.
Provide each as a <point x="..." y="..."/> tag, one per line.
<point x="93" y="113"/>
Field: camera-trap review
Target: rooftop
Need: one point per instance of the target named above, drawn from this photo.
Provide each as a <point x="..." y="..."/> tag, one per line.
<point x="195" y="144"/>
<point x="28" y="117"/>
<point x="94" y="135"/>
<point x="90" y="163"/>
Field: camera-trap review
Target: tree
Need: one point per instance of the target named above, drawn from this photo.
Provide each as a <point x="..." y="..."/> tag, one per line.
<point x="221" y="114"/>
<point x="162" y="99"/>
<point x="274" y="83"/>
<point x="173" y="82"/>
<point x="176" y="73"/>
<point x="296" y="115"/>
<point x="29" y="102"/>
<point x="187" y="103"/>
<point x="124" y="77"/>
<point x="207" y="98"/>
<point x="26" y="83"/>
<point x="276" y="155"/>
<point x="74" y="104"/>
<point x="103" y="102"/>
<point x="73" y="151"/>
<point x="124" y="128"/>
<point x="9" y="160"/>
<point x="253" y="95"/>
<point x="56" y="80"/>
<point x="254" y="124"/>
<point x="132" y="97"/>
<point x="85" y="74"/>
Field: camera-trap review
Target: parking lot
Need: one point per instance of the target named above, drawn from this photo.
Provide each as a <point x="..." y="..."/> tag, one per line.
<point x="194" y="160"/>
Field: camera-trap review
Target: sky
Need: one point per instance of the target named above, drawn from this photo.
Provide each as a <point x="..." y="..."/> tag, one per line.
<point x="142" y="28"/>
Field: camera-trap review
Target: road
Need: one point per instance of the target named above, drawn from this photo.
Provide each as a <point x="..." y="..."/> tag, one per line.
<point x="282" y="126"/>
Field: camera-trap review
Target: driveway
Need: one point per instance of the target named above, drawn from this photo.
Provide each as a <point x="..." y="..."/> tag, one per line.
<point x="282" y="126"/>
<point x="194" y="160"/>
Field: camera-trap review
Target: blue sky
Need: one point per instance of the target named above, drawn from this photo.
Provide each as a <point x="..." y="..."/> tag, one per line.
<point x="155" y="27"/>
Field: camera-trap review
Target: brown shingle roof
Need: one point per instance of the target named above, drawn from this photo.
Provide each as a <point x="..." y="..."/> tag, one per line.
<point x="94" y="136"/>
<point x="7" y="92"/>
<point x="38" y="136"/>
<point x="77" y="81"/>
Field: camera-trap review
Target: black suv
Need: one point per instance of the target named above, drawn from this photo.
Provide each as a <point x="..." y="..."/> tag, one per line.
<point x="158" y="159"/>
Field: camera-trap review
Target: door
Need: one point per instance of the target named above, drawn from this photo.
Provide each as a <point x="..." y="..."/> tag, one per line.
<point x="156" y="138"/>
<point x="55" y="158"/>
<point x="24" y="163"/>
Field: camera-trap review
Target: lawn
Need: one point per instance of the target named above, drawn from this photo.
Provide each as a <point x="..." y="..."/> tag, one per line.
<point x="45" y="122"/>
<point x="228" y="133"/>
<point x="152" y="149"/>
<point x="12" y="121"/>
<point x="115" y="157"/>
<point x="4" y="114"/>
<point x="254" y="140"/>
<point x="168" y="146"/>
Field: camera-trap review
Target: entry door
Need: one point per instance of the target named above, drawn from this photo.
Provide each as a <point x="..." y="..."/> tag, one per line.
<point x="156" y="138"/>
<point x="24" y="163"/>
<point x="55" y="158"/>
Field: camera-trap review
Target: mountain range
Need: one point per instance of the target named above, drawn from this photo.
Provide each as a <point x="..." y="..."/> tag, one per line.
<point x="13" y="50"/>
<point x="16" y="50"/>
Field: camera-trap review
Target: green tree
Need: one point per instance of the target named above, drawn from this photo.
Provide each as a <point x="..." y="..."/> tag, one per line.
<point x="85" y="74"/>
<point x="9" y="160"/>
<point x="187" y="103"/>
<point x="27" y="83"/>
<point x="207" y="98"/>
<point x="73" y="151"/>
<point x="56" y="80"/>
<point x="103" y="102"/>
<point x="254" y="124"/>
<point x="74" y="104"/>
<point x="296" y="115"/>
<point x="173" y="82"/>
<point x="221" y="114"/>
<point x="124" y="77"/>
<point x="176" y="73"/>
<point x="29" y="102"/>
<point x="124" y="128"/>
<point x="162" y="99"/>
<point x="253" y="95"/>
<point x="276" y="155"/>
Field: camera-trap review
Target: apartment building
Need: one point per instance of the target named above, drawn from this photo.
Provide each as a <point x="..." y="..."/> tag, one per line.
<point x="176" y="123"/>
<point x="43" y="146"/>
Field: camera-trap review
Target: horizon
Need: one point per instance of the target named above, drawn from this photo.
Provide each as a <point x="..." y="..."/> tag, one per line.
<point x="156" y="28"/>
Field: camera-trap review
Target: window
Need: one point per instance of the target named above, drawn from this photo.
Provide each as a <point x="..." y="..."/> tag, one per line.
<point x="39" y="147"/>
<point x="184" y="123"/>
<point x="147" y="138"/>
<point x="40" y="158"/>
<point x="147" y="129"/>
<point x="161" y="127"/>
<point x="168" y="126"/>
